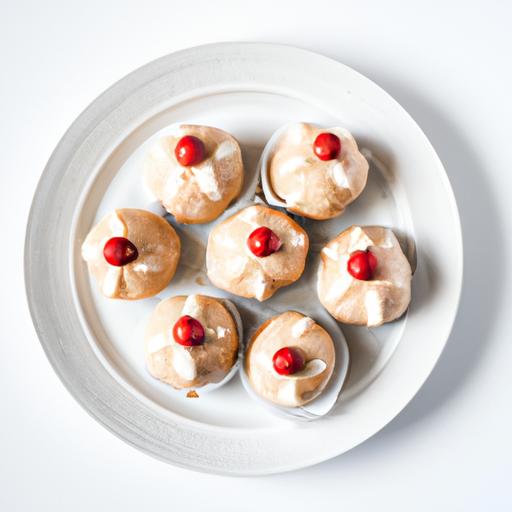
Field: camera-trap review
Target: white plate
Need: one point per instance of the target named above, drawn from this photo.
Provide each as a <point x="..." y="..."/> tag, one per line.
<point x="249" y="90"/>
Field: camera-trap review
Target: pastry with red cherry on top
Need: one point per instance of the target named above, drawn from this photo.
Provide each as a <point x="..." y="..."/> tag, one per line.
<point x="364" y="277"/>
<point x="290" y="359"/>
<point x="255" y="252"/>
<point x="191" y="341"/>
<point x="132" y="254"/>
<point x="317" y="172"/>
<point x="196" y="172"/>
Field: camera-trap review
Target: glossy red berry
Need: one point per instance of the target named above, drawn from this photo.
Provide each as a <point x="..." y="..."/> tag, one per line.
<point x="190" y="151"/>
<point x="362" y="265"/>
<point x="188" y="331"/>
<point x="327" y="146"/>
<point x="119" y="251"/>
<point x="288" y="360"/>
<point x="263" y="242"/>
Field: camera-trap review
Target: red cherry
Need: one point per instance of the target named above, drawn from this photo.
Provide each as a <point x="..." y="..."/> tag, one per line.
<point x="188" y="331"/>
<point x="190" y="151"/>
<point x="327" y="146"/>
<point x="288" y="360"/>
<point x="119" y="251"/>
<point x="263" y="242"/>
<point x="362" y="265"/>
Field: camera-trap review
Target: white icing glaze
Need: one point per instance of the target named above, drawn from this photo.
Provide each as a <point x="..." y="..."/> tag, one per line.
<point x="140" y="267"/>
<point x="360" y="241"/>
<point x="339" y="175"/>
<point x="374" y="308"/>
<point x="157" y="343"/>
<point x="221" y="332"/>
<point x="301" y="326"/>
<point x="339" y="286"/>
<point x="225" y="149"/>
<point x="389" y="240"/>
<point x="313" y="368"/>
<point x="207" y="180"/>
<point x="292" y="164"/>
<point x="260" y="285"/>
<point x="191" y="307"/>
<point x="331" y="252"/>
<point x="288" y="388"/>
<point x="111" y="281"/>
<point x="249" y="216"/>
<point x="89" y="251"/>
<point x="183" y="363"/>
<point x="174" y="182"/>
<point x="287" y="392"/>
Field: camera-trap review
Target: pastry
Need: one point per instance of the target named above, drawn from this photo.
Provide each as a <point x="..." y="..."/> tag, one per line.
<point x="255" y="252"/>
<point x="191" y="341"/>
<point x="364" y="277"/>
<point x="132" y="254"/>
<point x="196" y="172"/>
<point x="290" y="359"/>
<point x="317" y="172"/>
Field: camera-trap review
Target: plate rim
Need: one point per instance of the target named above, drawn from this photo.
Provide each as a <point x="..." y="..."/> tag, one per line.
<point x="83" y="117"/>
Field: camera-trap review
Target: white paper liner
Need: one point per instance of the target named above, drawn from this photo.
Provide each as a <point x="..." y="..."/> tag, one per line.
<point x="325" y="402"/>
<point x="153" y="302"/>
<point x="263" y="166"/>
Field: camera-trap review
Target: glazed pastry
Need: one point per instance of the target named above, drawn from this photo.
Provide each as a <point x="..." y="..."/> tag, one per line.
<point x="290" y="359"/>
<point x="196" y="172"/>
<point x="255" y="252"/>
<point x="364" y="277"/>
<point x="191" y="341"/>
<point x="132" y="254"/>
<point x="317" y="172"/>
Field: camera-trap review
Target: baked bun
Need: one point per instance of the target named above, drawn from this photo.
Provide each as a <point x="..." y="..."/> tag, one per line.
<point x="132" y="253"/>
<point x="280" y="247"/>
<point x="314" y="187"/>
<point x="173" y="360"/>
<point x="209" y="177"/>
<point x="380" y="296"/>
<point x="294" y="333"/>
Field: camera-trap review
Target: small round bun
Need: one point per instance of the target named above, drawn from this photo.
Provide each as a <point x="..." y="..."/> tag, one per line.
<point x="290" y="329"/>
<point x="381" y="299"/>
<point x="199" y="193"/>
<point x="191" y="367"/>
<point x="234" y="268"/>
<point x="158" y="248"/>
<point x="311" y="187"/>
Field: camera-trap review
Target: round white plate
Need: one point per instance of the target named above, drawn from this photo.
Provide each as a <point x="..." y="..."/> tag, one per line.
<point x="249" y="90"/>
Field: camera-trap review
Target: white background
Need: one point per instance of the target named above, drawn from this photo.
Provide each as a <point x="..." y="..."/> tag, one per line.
<point x="450" y="67"/>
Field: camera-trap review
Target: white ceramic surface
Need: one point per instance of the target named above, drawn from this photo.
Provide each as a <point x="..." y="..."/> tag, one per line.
<point x="248" y="89"/>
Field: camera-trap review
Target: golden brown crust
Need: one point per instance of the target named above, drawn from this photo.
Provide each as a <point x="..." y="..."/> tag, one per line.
<point x="383" y="298"/>
<point x="158" y="247"/>
<point x="231" y="265"/>
<point x="289" y="329"/>
<point x="309" y="186"/>
<point x="197" y="194"/>
<point x="209" y="362"/>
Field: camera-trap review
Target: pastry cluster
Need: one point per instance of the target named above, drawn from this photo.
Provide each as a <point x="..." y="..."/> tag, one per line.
<point x="196" y="172"/>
